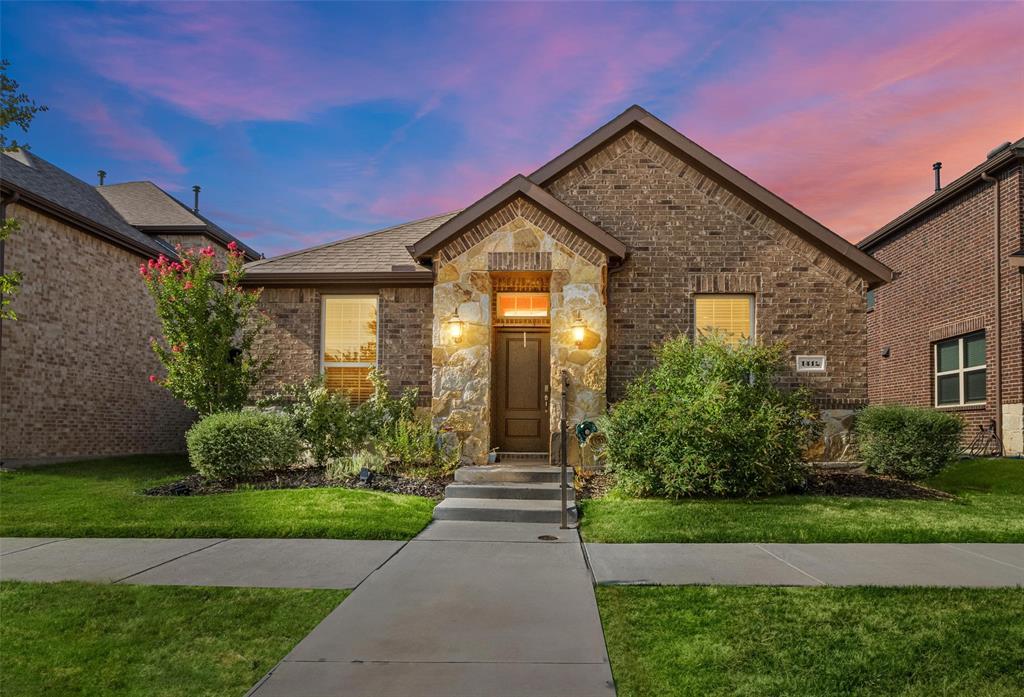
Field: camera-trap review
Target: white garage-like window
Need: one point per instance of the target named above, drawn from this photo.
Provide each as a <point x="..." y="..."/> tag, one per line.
<point x="349" y="344"/>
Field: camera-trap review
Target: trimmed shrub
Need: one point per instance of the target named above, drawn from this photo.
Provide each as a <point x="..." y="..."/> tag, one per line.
<point x="911" y="443"/>
<point x="710" y="420"/>
<point x="236" y="445"/>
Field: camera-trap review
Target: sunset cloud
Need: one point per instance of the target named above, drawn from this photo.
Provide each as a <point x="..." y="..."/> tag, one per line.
<point x="314" y="120"/>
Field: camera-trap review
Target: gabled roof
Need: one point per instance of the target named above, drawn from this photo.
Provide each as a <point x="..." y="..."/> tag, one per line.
<point x="996" y="160"/>
<point x="638" y="117"/>
<point x="369" y="258"/>
<point x="44" y="185"/>
<point x="151" y="209"/>
<point x="517" y="186"/>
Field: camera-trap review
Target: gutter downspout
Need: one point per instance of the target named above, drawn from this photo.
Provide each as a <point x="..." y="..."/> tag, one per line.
<point x="997" y="278"/>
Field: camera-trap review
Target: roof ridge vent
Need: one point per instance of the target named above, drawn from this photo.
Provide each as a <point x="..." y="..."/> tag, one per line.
<point x="996" y="150"/>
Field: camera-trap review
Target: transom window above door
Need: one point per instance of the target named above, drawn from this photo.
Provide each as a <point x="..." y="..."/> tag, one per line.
<point x="731" y="316"/>
<point x="349" y="344"/>
<point x="522" y="305"/>
<point x="960" y="371"/>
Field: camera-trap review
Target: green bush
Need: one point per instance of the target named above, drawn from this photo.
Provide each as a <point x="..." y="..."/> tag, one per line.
<point x="375" y="460"/>
<point x="414" y="443"/>
<point x="325" y="420"/>
<point x="710" y="419"/>
<point x="907" y="442"/>
<point x="236" y="445"/>
<point x="333" y="429"/>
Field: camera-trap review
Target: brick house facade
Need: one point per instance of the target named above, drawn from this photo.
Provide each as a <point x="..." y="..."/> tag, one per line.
<point x="74" y="366"/>
<point x="619" y="238"/>
<point x="943" y="252"/>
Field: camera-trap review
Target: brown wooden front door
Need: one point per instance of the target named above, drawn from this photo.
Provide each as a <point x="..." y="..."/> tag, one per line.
<point x="522" y="366"/>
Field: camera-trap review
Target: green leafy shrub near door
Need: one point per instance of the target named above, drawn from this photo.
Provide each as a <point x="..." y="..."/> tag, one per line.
<point x="237" y="445"/>
<point x="710" y="420"/>
<point x="334" y="429"/>
<point x="907" y="442"/>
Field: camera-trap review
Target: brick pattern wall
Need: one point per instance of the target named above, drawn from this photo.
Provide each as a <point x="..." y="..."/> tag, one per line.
<point x="74" y="367"/>
<point x="405" y="339"/>
<point x="198" y="241"/>
<point x="946" y="288"/>
<point x="687" y="234"/>
<point x="292" y="336"/>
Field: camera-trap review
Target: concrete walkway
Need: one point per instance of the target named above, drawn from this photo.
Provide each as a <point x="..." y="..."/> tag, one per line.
<point x="195" y="562"/>
<point x="967" y="565"/>
<point x="464" y="609"/>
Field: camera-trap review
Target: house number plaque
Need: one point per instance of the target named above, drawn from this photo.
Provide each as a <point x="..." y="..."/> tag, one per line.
<point x="810" y="364"/>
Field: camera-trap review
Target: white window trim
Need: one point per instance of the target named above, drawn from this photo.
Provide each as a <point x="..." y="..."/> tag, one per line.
<point x="753" y="312"/>
<point x="323" y="333"/>
<point x="961" y="371"/>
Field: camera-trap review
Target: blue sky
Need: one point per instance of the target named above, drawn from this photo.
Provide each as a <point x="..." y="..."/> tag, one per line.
<point x="309" y="122"/>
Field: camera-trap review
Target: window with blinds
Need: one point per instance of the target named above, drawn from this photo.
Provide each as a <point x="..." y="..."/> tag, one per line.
<point x="349" y="344"/>
<point x="731" y="316"/>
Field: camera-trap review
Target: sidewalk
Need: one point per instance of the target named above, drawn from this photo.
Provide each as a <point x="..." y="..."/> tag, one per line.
<point x="952" y="565"/>
<point x="463" y="609"/>
<point x="269" y="563"/>
<point x="299" y="563"/>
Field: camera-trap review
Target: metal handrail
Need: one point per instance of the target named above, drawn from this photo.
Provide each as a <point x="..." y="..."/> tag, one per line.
<point x="564" y="448"/>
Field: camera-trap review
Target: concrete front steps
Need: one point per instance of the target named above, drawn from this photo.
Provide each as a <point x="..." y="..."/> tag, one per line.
<point x="523" y="492"/>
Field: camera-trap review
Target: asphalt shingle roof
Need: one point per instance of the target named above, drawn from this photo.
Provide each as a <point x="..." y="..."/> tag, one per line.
<point x="382" y="251"/>
<point x="27" y="171"/>
<point x="145" y="204"/>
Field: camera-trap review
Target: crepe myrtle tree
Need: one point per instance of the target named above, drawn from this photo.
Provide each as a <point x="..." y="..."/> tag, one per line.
<point x="209" y="324"/>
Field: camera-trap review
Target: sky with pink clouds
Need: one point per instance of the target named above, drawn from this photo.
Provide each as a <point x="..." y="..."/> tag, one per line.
<point x="310" y="122"/>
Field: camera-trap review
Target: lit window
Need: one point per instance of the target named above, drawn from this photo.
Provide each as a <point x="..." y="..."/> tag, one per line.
<point x="349" y="345"/>
<point x="520" y="305"/>
<point x="960" y="371"/>
<point x="731" y="316"/>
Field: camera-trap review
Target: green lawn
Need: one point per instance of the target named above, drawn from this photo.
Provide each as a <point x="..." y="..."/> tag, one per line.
<point x="989" y="508"/>
<point x="102" y="498"/>
<point x="909" y="642"/>
<point x="157" y="641"/>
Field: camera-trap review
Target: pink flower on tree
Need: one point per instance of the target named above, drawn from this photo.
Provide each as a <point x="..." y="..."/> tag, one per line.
<point x="152" y="378"/>
<point x="188" y="285"/>
<point x="207" y="251"/>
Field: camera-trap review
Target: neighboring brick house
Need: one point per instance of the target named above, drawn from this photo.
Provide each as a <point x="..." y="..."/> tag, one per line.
<point x="941" y="335"/>
<point x="634" y="235"/>
<point x="74" y="366"/>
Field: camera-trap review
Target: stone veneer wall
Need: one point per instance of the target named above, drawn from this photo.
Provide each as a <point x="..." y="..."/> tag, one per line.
<point x="516" y="237"/>
<point x="292" y="336"/>
<point x="688" y="234"/>
<point x="75" y="366"/>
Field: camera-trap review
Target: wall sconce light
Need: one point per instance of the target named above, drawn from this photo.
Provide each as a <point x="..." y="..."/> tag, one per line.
<point x="579" y="331"/>
<point x="455" y="329"/>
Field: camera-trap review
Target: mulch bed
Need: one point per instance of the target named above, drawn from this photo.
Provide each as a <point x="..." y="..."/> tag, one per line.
<point x="593" y="485"/>
<point x="827" y="482"/>
<point x="303" y="478"/>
